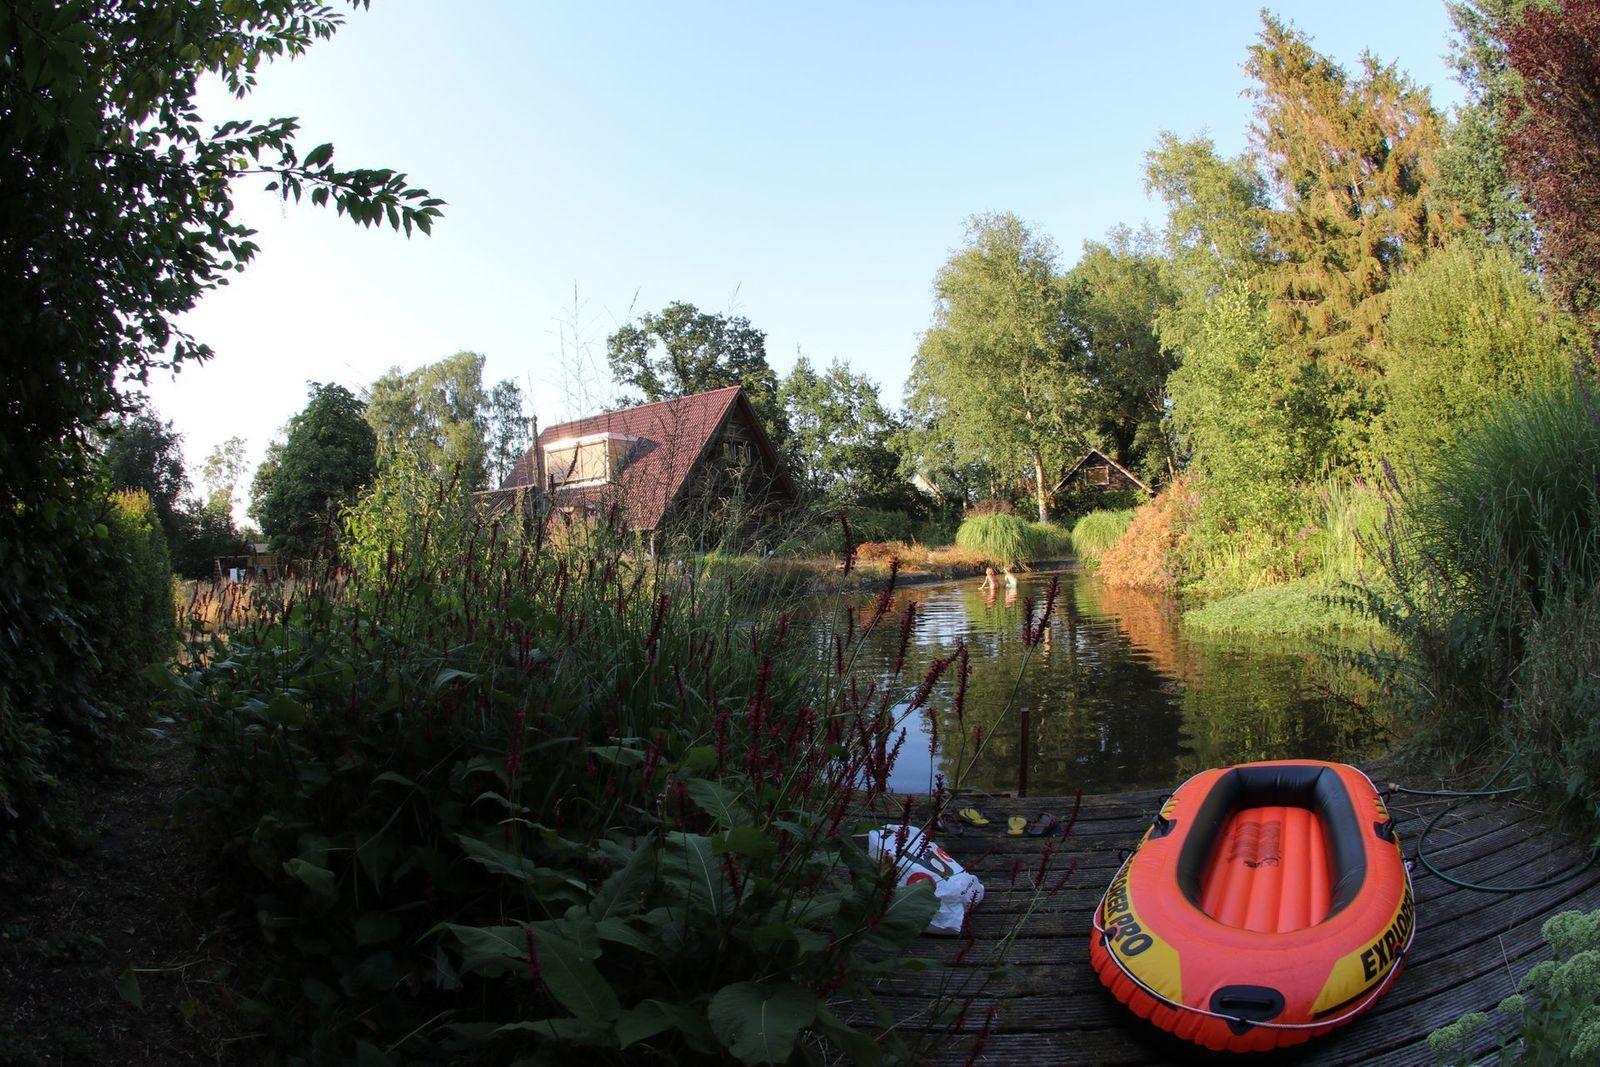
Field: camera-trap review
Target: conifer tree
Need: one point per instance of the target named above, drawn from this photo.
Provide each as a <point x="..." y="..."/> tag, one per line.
<point x="1350" y="163"/>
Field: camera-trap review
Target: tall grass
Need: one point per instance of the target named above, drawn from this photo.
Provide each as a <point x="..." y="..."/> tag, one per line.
<point x="1492" y="556"/>
<point x="1001" y="539"/>
<point x="1007" y="540"/>
<point x="1097" y="531"/>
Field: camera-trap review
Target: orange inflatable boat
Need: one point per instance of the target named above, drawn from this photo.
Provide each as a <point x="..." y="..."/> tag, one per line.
<point x="1267" y="904"/>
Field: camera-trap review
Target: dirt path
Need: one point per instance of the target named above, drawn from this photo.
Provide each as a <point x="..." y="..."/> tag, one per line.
<point x="135" y="897"/>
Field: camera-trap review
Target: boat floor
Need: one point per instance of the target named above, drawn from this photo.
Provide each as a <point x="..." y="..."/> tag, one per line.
<point x="1036" y="1000"/>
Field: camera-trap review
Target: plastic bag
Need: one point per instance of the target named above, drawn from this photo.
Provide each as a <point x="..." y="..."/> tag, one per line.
<point x="922" y="860"/>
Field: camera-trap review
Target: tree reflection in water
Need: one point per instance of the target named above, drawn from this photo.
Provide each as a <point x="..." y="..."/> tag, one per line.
<point x="1119" y="697"/>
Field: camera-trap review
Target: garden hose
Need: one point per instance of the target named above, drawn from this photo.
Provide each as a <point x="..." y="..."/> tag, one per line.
<point x="1462" y="796"/>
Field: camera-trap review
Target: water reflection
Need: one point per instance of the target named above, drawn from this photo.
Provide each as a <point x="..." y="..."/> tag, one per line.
<point x="1115" y="697"/>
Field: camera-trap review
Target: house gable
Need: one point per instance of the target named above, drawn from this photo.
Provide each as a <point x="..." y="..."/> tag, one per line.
<point x="644" y="461"/>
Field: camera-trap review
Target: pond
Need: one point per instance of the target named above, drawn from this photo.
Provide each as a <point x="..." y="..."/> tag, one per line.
<point x="1117" y="696"/>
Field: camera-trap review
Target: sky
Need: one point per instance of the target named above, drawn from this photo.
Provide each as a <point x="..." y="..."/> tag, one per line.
<point x="807" y="166"/>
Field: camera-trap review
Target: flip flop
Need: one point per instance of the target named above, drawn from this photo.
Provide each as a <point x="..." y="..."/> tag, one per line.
<point x="1042" y="824"/>
<point x="950" y="825"/>
<point x="1015" y="825"/>
<point x="973" y="816"/>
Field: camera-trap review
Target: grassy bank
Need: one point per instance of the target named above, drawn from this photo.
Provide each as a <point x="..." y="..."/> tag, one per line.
<point x="1307" y="607"/>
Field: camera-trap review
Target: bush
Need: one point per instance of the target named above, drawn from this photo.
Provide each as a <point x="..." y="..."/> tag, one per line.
<point x="1004" y="540"/>
<point x="1553" y="1018"/>
<point x="1097" y="531"/>
<point x="1048" y="541"/>
<point x="559" y="796"/>
<point x="70" y="700"/>
<point x="1462" y="332"/>
<point x="134" y="616"/>
<point x="1148" y="554"/>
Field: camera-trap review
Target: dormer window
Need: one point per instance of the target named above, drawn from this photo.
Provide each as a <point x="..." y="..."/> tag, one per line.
<point x="594" y="459"/>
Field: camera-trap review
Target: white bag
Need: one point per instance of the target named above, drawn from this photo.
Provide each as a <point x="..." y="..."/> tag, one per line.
<point x="923" y="860"/>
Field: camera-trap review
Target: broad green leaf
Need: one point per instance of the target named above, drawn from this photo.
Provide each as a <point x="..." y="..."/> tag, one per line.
<point x="698" y="759"/>
<point x="619" y="932"/>
<point x="761" y="1023"/>
<point x="622" y="757"/>
<point x="747" y="841"/>
<point x="285" y="710"/>
<point x="859" y="1048"/>
<point x="651" y="1017"/>
<point x="128" y="988"/>
<point x="320" y="880"/>
<point x="623" y="892"/>
<point x="910" y="910"/>
<point x="518" y="867"/>
<point x="574" y="981"/>
<point x="718" y="801"/>
<point x="491" y="951"/>
<point x="690" y="862"/>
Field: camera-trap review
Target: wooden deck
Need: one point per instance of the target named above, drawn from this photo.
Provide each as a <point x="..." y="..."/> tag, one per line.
<point x="1049" y="1008"/>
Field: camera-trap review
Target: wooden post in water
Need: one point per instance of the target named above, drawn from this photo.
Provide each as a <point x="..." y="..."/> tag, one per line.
<point x="1022" y="756"/>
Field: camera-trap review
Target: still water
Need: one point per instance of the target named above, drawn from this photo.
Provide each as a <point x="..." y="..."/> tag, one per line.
<point x="1116" y="697"/>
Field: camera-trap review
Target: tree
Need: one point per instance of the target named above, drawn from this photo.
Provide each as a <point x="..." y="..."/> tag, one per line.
<point x="1551" y="117"/>
<point x="682" y="350"/>
<point x="843" y="438"/>
<point x="328" y="455"/>
<point x="440" y="413"/>
<point x="510" y="433"/>
<point x="223" y="467"/>
<point x="1474" y="182"/>
<point x="1465" y="331"/>
<point x="1116" y="293"/>
<point x="999" y="365"/>
<point x="1350" y="161"/>
<point x="1253" y="415"/>
<point x="118" y="218"/>
<point x="144" y="454"/>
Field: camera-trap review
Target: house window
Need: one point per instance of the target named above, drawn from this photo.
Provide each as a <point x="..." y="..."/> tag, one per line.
<point x="592" y="460"/>
<point x="1099" y="475"/>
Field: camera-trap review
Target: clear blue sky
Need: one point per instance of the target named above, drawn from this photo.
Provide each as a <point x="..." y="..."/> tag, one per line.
<point x="808" y="166"/>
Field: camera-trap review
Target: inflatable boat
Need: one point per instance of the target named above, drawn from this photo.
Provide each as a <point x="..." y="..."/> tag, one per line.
<point x="1267" y="904"/>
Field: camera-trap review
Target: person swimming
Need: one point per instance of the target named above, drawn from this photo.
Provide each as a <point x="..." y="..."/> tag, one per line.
<point x="988" y="579"/>
<point x="1011" y="579"/>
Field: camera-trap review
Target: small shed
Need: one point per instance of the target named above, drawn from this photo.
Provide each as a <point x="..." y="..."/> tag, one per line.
<point x="1097" y="472"/>
<point x="257" y="560"/>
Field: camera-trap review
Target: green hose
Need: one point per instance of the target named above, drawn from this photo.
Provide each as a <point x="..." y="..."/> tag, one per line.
<point x="1462" y="796"/>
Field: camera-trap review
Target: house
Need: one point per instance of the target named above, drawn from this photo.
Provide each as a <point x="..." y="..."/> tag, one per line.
<point x="1097" y="472"/>
<point x="256" y="560"/>
<point x="656" y="464"/>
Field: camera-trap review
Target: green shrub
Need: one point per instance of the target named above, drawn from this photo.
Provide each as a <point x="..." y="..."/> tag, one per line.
<point x="133" y="616"/>
<point x="1553" y="1018"/>
<point x="549" y="795"/>
<point x="1464" y="331"/>
<point x="1048" y="541"/>
<point x="101" y="611"/>
<point x="1002" y="539"/>
<point x="1097" y="531"/>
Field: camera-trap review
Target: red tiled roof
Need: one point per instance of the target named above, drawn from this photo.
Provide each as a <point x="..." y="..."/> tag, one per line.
<point x="672" y="436"/>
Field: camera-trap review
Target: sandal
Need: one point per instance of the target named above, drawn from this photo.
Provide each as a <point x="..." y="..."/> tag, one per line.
<point x="949" y="825"/>
<point x="1042" y="824"/>
<point x="1015" y="825"/>
<point x="973" y="816"/>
